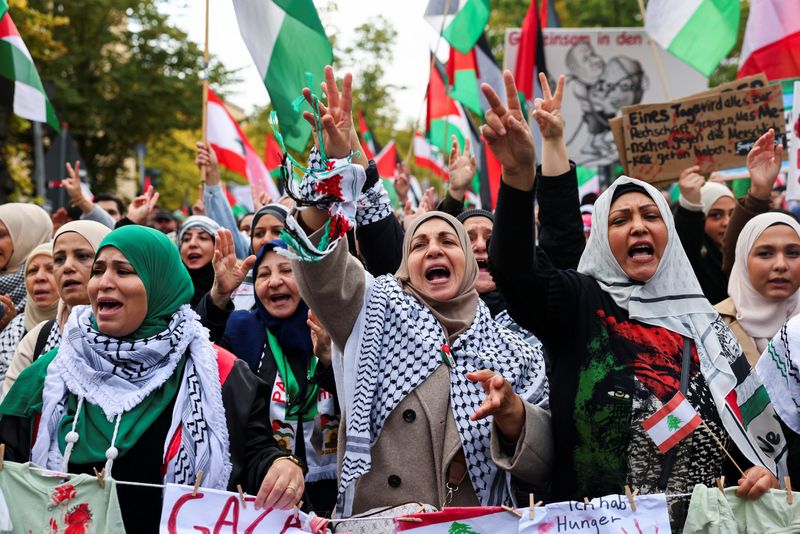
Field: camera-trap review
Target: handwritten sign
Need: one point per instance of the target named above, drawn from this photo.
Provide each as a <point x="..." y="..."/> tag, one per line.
<point x="793" y="181"/>
<point x="603" y="515"/>
<point x="221" y="511"/>
<point x="714" y="132"/>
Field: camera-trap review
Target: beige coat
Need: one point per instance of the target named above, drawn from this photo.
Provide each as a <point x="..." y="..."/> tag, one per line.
<point x="410" y="460"/>
<point x="727" y="311"/>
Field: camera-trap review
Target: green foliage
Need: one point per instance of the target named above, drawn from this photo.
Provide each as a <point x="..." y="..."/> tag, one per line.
<point x="128" y="76"/>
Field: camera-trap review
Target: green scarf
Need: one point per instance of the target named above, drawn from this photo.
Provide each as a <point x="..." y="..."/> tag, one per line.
<point x="158" y="264"/>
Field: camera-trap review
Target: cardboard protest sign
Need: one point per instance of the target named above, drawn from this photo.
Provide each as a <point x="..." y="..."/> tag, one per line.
<point x="714" y="131"/>
<point x="603" y="515"/>
<point x="221" y="511"/>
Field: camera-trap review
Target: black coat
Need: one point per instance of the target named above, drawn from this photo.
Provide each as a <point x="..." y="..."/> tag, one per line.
<point x="704" y="255"/>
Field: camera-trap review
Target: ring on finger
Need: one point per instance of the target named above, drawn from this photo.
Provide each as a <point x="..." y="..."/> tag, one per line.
<point x="291" y="488"/>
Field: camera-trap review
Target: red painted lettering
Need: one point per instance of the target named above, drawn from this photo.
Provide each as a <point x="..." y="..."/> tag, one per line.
<point x="232" y="502"/>
<point x="254" y="524"/>
<point x="172" y="522"/>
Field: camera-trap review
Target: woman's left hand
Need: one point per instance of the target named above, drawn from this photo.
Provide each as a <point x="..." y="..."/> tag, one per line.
<point x="283" y="486"/>
<point x="228" y="273"/>
<point x="320" y="339"/>
<point x="501" y="402"/>
<point x="756" y="482"/>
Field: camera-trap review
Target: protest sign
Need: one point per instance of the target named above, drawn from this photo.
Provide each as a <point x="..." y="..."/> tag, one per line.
<point x="603" y="515"/>
<point x="714" y="131"/>
<point x="793" y="124"/>
<point x="213" y="510"/>
<point x="605" y="69"/>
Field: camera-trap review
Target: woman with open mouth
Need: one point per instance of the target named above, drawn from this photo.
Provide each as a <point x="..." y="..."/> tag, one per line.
<point x="764" y="281"/>
<point x="136" y="387"/>
<point x="196" y="242"/>
<point x="23" y="227"/>
<point x="290" y="352"/>
<point x="74" y="247"/>
<point x="41" y="303"/>
<point x="626" y="333"/>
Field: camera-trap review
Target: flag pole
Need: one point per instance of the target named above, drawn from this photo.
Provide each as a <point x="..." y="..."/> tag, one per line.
<point x="204" y="169"/>
<point x="656" y="55"/>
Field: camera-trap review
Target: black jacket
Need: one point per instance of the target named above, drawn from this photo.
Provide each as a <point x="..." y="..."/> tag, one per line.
<point x="704" y="255"/>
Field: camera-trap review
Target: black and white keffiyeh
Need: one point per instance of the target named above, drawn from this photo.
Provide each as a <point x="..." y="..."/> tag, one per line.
<point x="373" y="205"/>
<point x="117" y="375"/>
<point x="395" y="346"/>
<point x="779" y="370"/>
<point x="10" y="337"/>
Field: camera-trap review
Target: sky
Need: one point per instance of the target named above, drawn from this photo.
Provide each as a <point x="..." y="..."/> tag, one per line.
<point x="415" y="38"/>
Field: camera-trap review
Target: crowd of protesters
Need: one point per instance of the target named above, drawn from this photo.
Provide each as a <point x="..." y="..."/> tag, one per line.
<point x="440" y="354"/>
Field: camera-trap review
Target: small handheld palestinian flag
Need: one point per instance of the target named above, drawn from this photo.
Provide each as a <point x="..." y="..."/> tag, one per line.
<point x="673" y="422"/>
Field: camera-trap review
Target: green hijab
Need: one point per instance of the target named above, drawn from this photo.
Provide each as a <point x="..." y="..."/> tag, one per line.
<point x="158" y="264"/>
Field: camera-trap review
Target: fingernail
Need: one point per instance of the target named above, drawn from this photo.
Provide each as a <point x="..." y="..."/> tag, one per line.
<point x="502" y="131"/>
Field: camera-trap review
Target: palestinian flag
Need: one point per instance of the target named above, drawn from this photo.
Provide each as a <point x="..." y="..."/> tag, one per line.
<point x="367" y="141"/>
<point x="491" y="173"/>
<point x="673" y="422"/>
<point x="428" y="156"/>
<point x="698" y="32"/>
<point x="530" y="58"/>
<point x="232" y="148"/>
<point x="467" y="72"/>
<point x="386" y="160"/>
<point x="445" y="116"/>
<point x="466" y="520"/>
<point x="286" y="40"/>
<point x="462" y="24"/>
<point x="16" y="65"/>
<point x="588" y="181"/>
<point x="273" y="155"/>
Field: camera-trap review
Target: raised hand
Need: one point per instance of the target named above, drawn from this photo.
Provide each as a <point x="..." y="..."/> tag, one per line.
<point x="260" y="198"/>
<point x="461" y="169"/>
<point x="228" y="272"/>
<point x="206" y="157"/>
<point x="10" y="312"/>
<point x="548" y="109"/>
<point x="401" y="184"/>
<point x="509" y="136"/>
<point x="337" y="116"/>
<point x="72" y="184"/>
<point x="428" y="202"/>
<point x="690" y="183"/>
<point x="764" y="164"/>
<point x="142" y="206"/>
<point x="501" y="402"/>
<point x="320" y="340"/>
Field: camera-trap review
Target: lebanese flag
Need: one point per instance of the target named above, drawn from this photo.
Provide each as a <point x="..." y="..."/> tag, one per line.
<point x="461" y="520"/>
<point x="772" y="40"/>
<point x="233" y="150"/>
<point x="673" y="422"/>
<point x="530" y="58"/>
<point x="427" y="156"/>
<point x="367" y="141"/>
<point x="386" y="160"/>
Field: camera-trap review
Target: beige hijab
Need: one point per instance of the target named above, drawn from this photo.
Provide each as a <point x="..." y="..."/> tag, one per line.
<point x="456" y="314"/>
<point x="91" y="231"/>
<point x="33" y="313"/>
<point x="761" y="318"/>
<point x="29" y="226"/>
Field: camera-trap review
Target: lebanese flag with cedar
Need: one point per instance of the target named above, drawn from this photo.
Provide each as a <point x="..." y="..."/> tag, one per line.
<point x="460" y="520"/>
<point x="772" y="40"/>
<point x="233" y="150"/>
<point x="673" y="422"/>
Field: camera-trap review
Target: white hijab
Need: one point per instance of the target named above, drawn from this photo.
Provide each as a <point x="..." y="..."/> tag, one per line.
<point x="672" y="299"/>
<point x="760" y="317"/>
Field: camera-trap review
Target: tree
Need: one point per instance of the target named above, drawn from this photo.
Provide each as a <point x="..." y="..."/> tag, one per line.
<point x="128" y="76"/>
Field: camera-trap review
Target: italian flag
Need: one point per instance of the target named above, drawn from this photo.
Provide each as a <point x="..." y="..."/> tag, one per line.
<point x="467" y="520"/>
<point x="772" y="40"/>
<point x="232" y="148"/>
<point x="462" y="24"/>
<point x="698" y="32"/>
<point x="673" y="422"/>
<point x="286" y="40"/>
<point x="466" y="72"/>
<point x="16" y="64"/>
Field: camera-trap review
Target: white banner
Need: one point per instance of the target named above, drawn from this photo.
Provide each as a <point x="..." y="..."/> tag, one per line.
<point x="603" y="515"/>
<point x="606" y="69"/>
<point x="221" y="511"/>
<point x="793" y="127"/>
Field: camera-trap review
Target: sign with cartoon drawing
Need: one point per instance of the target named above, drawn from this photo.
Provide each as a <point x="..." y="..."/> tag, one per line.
<point x="606" y="69"/>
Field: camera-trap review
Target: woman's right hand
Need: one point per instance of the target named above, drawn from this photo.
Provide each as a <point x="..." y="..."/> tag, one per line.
<point x="10" y="313"/>
<point x="228" y="272"/>
<point x="764" y="164"/>
<point x="320" y="339"/>
<point x="337" y="116"/>
<point x="509" y="136"/>
<point x="207" y="158"/>
<point x="140" y="208"/>
<point x="690" y="183"/>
